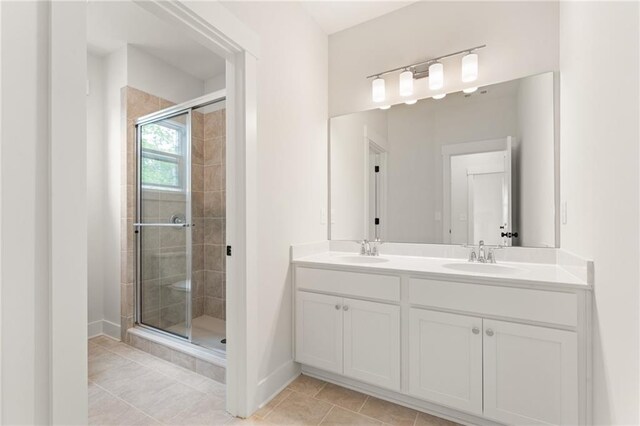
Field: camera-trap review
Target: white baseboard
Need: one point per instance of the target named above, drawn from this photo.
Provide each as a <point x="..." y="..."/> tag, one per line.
<point x="400" y="399"/>
<point x="275" y="382"/>
<point x="96" y="328"/>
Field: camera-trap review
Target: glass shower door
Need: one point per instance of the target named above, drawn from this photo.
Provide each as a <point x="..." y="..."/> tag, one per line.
<point x="163" y="225"/>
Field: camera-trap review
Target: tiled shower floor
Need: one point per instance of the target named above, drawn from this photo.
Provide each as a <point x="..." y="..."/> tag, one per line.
<point x="208" y="332"/>
<point x="205" y="331"/>
<point x="131" y="387"/>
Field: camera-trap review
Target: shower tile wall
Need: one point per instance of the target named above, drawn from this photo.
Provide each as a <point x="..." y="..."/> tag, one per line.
<point x="214" y="214"/>
<point x="134" y="104"/>
<point x="164" y="253"/>
<point x="208" y="210"/>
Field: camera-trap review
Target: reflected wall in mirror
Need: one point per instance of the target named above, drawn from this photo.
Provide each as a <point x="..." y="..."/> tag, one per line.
<point x="457" y="170"/>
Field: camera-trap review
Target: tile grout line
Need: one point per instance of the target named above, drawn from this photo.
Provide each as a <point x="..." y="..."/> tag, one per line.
<point x="126" y="402"/>
<point x="326" y="414"/>
<point x="415" y="420"/>
<point x="278" y="404"/>
<point x="363" y="404"/>
<point x="204" y="394"/>
<point x="319" y="390"/>
<point x="159" y="371"/>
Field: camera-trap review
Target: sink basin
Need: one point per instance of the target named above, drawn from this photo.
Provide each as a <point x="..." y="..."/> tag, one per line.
<point x="361" y="259"/>
<point x="483" y="268"/>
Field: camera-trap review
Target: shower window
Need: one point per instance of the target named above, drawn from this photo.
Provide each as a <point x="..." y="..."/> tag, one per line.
<point x="163" y="156"/>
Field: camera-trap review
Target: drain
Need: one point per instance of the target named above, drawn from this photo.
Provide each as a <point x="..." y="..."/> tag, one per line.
<point x="223" y="341"/>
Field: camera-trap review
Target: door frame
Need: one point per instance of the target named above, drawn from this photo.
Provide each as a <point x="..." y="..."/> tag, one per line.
<point x="376" y="142"/>
<point x="214" y="26"/>
<point x="448" y="151"/>
<point x="472" y="172"/>
<point x="185" y="108"/>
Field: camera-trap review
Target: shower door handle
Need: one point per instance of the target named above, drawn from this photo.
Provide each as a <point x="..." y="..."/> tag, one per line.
<point x="168" y="225"/>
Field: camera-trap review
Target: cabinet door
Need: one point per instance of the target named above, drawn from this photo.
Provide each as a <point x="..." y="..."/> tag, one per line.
<point x="445" y="359"/>
<point x="530" y="374"/>
<point x="319" y="331"/>
<point x="372" y="342"/>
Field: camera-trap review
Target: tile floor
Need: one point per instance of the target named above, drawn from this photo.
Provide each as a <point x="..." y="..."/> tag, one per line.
<point x="131" y="387"/>
<point x="309" y="401"/>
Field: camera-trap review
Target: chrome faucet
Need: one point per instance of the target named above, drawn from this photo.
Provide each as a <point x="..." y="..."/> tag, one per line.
<point x="370" y="248"/>
<point x="484" y="254"/>
<point x="472" y="255"/>
<point x="365" y="248"/>
<point x="491" y="256"/>
<point x="481" y="254"/>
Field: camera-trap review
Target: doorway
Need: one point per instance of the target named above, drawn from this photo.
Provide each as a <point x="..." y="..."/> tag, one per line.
<point x="180" y="221"/>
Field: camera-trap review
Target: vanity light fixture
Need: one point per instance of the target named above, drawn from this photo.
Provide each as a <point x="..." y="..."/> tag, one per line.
<point x="406" y="83"/>
<point x="383" y="107"/>
<point x="411" y="102"/>
<point x="469" y="67"/>
<point x="470" y="89"/>
<point x="377" y="89"/>
<point x="432" y="69"/>
<point x="440" y="96"/>
<point x="436" y="76"/>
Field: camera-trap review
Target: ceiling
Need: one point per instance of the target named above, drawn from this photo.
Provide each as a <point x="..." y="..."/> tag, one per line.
<point x="334" y="16"/>
<point x="113" y="24"/>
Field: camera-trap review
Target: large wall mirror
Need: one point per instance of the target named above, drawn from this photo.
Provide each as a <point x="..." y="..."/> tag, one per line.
<point x="469" y="167"/>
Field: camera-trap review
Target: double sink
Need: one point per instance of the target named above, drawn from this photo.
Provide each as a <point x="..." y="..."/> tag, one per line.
<point x="468" y="267"/>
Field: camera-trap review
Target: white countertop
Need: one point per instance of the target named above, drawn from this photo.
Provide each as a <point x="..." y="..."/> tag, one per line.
<point x="544" y="275"/>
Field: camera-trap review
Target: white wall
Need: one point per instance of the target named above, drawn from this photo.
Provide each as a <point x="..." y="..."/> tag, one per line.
<point x="292" y="163"/>
<point x="600" y="185"/>
<point x="96" y="190"/>
<point x="536" y="167"/>
<point x="348" y="170"/>
<point x="152" y="75"/>
<point x="115" y="77"/>
<point x="521" y="39"/>
<point x="25" y="314"/>
<point x="215" y="83"/>
<point x="43" y="264"/>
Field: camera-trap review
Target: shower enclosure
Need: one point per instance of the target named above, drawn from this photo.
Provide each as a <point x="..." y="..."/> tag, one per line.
<point x="180" y="222"/>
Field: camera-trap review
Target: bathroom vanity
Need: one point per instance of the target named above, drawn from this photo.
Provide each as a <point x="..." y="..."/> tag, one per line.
<point x="477" y="343"/>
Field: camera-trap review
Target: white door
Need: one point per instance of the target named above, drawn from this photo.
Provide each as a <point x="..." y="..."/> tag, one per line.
<point x="530" y="374"/>
<point x="319" y="331"/>
<point x="445" y="359"/>
<point x="372" y="342"/>
<point x="487" y="207"/>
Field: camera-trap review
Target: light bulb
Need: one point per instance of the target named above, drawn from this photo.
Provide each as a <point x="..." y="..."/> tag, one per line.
<point x="470" y="89"/>
<point x="436" y="76"/>
<point x="440" y="96"/>
<point x="411" y="102"/>
<point x="383" y="107"/>
<point x="406" y="83"/>
<point x="469" y="67"/>
<point x="377" y="90"/>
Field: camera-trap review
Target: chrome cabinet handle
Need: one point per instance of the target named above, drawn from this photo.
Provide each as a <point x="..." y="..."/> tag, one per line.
<point x="337" y="307"/>
<point x="489" y="332"/>
<point x="345" y="307"/>
<point x="475" y="330"/>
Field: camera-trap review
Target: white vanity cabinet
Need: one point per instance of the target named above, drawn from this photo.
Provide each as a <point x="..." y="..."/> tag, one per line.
<point x="319" y="331"/>
<point x="530" y="374"/>
<point x="445" y="359"/>
<point x="356" y="338"/>
<point x="475" y="351"/>
<point x="508" y="372"/>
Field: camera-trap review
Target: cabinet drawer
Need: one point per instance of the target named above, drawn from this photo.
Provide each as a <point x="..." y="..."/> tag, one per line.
<point x="374" y="286"/>
<point x="526" y="304"/>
